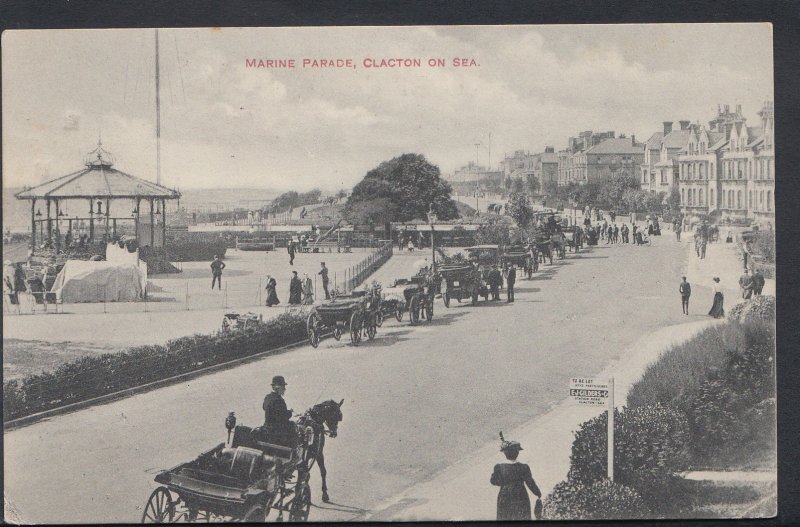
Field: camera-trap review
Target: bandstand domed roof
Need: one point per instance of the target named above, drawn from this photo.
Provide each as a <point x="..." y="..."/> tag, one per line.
<point x="99" y="179"/>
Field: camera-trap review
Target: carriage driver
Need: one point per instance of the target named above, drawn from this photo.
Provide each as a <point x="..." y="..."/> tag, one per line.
<point x="276" y="416"/>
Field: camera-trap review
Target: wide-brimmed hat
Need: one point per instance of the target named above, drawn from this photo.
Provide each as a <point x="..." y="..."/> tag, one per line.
<point x="510" y="445"/>
<point x="278" y="380"/>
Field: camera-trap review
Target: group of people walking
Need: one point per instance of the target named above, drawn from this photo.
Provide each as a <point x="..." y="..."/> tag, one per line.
<point x="611" y="233"/>
<point x="301" y="291"/>
<point x="750" y="284"/>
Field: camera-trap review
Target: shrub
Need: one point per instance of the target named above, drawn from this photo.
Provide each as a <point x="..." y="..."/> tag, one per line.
<point x="683" y="368"/>
<point x="757" y="308"/>
<point x="601" y="500"/>
<point x="649" y="442"/>
<point x="94" y="376"/>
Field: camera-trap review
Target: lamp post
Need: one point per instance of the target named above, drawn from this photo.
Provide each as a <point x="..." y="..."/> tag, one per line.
<point x="431" y="220"/>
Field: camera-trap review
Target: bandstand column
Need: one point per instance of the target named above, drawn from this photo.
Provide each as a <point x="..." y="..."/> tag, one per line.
<point x="152" y="223"/>
<point x="91" y="220"/>
<point x="163" y="222"/>
<point x="33" y="225"/>
<point x="58" y="230"/>
<point x="49" y="224"/>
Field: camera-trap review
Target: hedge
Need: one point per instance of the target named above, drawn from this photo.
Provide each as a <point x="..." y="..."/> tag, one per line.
<point x="600" y="500"/>
<point x="649" y="442"/>
<point x="94" y="376"/>
<point x="723" y="381"/>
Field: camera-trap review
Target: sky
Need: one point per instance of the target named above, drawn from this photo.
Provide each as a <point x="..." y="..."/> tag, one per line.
<point x="226" y="125"/>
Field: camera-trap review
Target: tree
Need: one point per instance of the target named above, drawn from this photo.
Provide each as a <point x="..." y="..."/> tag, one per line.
<point x="498" y="230"/>
<point x="405" y="187"/>
<point x="519" y="208"/>
<point x="517" y="185"/>
<point x="533" y="184"/>
<point x="614" y="186"/>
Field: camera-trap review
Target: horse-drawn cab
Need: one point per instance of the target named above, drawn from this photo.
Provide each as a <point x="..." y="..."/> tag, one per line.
<point x="516" y="255"/>
<point x="246" y="477"/>
<point x="573" y="237"/>
<point x="354" y="313"/>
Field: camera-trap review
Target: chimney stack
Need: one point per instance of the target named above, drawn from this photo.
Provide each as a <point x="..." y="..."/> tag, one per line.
<point x="728" y="128"/>
<point x="667" y="127"/>
<point x="727" y="108"/>
<point x="738" y="109"/>
<point x="684" y="125"/>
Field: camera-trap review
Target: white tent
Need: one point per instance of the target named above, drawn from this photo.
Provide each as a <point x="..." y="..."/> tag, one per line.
<point x="81" y="281"/>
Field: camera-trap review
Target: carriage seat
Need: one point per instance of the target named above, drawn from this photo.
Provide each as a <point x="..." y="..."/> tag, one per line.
<point x="245" y="464"/>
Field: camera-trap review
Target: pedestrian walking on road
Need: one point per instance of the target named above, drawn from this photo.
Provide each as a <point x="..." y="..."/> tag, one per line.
<point x="216" y="271"/>
<point x="511" y="279"/>
<point x="495" y="279"/>
<point x="295" y="289"/>
<point x="686" y="291"/>
<point x="616" y="234"/>
<point x="677" y="228"/>
<point x="324" y="274"/>
<point x="308" y="291"/>
<point x="717" y="310"/>
<point x="290" y="248"/>
<point x="746" y="283"/>
<point x="272" y="292"/>
<point x="513" y="502"/>
<point x="703" y="244"/>
<point x="758" y="283"/>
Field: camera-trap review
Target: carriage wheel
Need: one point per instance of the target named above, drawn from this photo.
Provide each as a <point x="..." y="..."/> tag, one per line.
<point x="355" y="329"/>
<point x="475" y="296"/>
<point x="301" y="504"/>
<point x="429" y="310"/>
<point x="413" y="311"/>
<point x="312" y="327"/>
<point x="379" y="318"/>
<point x="255" y="514"/>
<point x="159" y="508"/>
<point x="197" y="516"/>
<point x="337" y="332"/>
<point x="398" y="314"/>
<point x="446" y="299"/>
<point x="371" y="331"/>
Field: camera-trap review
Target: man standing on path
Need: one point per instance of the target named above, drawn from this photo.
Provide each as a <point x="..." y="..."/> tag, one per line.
<point x="216" y="271"/>
<point x="746" y="283"/>
<point x="677" y="228"/>
<point x="686" y="291"/>
<point x="290" y="249"/>
<point x="758" y="283"/>
<point x="510" y="281"/>
<point x="324" y="274"/>
<point x="494" y="282"/>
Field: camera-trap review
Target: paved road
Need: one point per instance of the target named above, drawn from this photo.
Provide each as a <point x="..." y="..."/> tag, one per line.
<point x="417" y="400"/>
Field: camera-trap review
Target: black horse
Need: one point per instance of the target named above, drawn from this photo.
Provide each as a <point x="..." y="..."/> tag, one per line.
<point x="315" y="420"/>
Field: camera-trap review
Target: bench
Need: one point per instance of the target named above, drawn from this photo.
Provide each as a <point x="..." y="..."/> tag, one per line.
<point x="320" y="247"/>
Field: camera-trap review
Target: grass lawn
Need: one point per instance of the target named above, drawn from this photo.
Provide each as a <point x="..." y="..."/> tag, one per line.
<point x="24" y="357"/>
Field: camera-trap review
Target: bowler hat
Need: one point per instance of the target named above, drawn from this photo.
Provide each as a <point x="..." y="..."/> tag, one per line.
<point x="278" y="380"/>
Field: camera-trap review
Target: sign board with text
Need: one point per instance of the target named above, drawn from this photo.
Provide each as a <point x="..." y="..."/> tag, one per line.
<point x="588" y="391"/>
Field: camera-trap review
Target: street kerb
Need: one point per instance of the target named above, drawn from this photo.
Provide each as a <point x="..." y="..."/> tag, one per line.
<point x="462" y="491"/>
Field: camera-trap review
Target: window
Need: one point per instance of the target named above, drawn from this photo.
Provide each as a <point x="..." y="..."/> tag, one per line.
<point x="761" y="200"/>
<point x="702" y="171"/>
<point x="739" y="199"/>
<point x="769" y="200"/>
<point x="750" y="199"/>
<point x="683" y="196"/>
<point x="730" y="199"/>
<point x="700" y="197"/>
<point x="711" y="197"/>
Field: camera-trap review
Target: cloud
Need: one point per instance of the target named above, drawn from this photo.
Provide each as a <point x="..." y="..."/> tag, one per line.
<point x="224" y="124"/>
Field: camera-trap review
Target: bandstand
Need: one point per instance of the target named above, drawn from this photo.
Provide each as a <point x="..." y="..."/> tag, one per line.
<point x="115" y="201"/>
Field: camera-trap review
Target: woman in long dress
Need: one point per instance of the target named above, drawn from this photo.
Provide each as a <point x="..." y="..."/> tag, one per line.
<point x="295" y="289"/>
<point x="512" y="500"/>
<point x="272" y="292"/>
<point x="717" y="310"/>
<point x="308" y="291"/>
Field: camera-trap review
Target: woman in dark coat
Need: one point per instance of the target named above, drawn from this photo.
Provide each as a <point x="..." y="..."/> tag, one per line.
<point x="716" y="309"/>
<point x="272" y="293"/>
<point x="295" y="289"/>
<point x="512" y="500"/>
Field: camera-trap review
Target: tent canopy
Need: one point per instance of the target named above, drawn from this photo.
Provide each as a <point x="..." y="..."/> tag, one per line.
<point x="87" y="281"/>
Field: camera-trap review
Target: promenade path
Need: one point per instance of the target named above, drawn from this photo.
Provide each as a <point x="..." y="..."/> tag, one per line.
<point x="417" y="400"/>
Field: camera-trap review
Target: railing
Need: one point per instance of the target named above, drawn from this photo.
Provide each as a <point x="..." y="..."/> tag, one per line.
<point x="356" y="274"/>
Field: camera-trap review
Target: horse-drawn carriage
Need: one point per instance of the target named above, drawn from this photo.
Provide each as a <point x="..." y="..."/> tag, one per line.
<point x="358" y="313"/>
<point x="573" y="237"/>
<point x="462" y="281"/>
<point x="247" y="477"/>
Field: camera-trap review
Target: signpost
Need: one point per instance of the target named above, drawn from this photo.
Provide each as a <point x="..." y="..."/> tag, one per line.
<point x="591" y="392"/>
